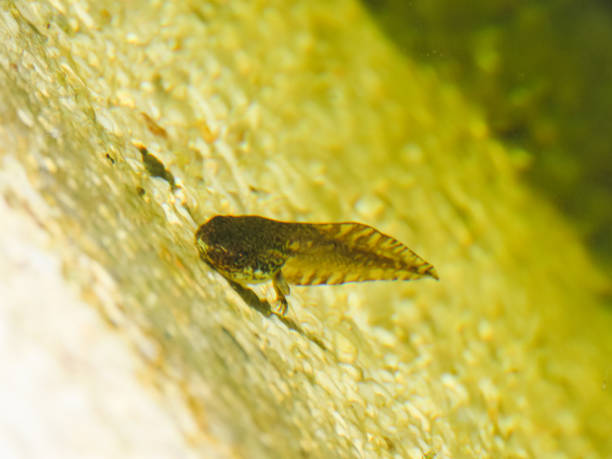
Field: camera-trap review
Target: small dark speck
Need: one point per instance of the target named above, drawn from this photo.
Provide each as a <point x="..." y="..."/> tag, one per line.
<point x="154" y="127"/>
<point x="389" y="443"/>
<point x="155" y="167"/>
<point x="255" y="190"/>
<point x="110" y="158"/>
<point x="141" y="191"/>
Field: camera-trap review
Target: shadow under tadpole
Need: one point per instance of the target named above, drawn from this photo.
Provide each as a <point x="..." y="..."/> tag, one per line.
<point x="263" y="307"/>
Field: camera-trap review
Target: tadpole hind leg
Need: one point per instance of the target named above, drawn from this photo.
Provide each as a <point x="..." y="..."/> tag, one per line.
<point x="282" y="289"/>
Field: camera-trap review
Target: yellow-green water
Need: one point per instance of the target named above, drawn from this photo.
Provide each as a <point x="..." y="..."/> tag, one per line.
<point x="540" y="72"/>
<point x="307" y="111"/>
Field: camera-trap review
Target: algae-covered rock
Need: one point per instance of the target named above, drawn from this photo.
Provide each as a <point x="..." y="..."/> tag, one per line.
<point x="135" y="122"/>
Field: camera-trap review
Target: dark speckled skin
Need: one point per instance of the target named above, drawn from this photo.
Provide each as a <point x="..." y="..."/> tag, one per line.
<point x="246" y="248"/>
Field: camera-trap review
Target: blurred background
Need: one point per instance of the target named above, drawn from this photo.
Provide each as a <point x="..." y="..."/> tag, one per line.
<point x="542" y="73"/>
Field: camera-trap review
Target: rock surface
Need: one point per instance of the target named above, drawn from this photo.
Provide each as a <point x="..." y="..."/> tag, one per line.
<point x="123" y="126"/>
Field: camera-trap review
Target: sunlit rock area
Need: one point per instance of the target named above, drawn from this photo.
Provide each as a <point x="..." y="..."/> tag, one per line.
<point x="125" y="125"/>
